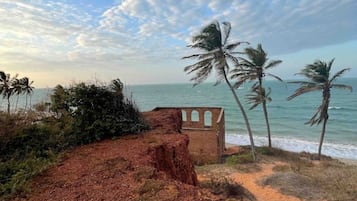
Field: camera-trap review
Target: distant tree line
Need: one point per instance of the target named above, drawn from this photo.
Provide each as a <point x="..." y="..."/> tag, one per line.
<point x="10" y="86"/>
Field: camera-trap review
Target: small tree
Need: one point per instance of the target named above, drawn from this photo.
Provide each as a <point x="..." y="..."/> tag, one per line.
<point x="318" y="75"/>
<point x="254" y="68"/>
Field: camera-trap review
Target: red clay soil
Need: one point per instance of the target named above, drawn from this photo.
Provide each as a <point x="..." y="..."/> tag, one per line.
<point x="149" y="166"/>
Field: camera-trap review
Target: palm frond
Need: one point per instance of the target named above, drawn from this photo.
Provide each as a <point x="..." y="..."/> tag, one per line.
<point x="200" y="64"/>
<point x="273" y="63"/>
<point x="232" y="59"/>
<point x="227" y="30"/>
<point x="341" y="86"/>
<point x="314" y="120"/>
<point x="274" y="76"/>
<point x="232" y="46"/>
<point x="329" y="65"/>
<point x="191" y="56"/>
<point x="238" y="83"/>
<point x="304" y="83"/>
<point x="305" y="89"/>
<point x="258" y="95"/>
<point x="2" y="76"/>
<point x="338" y="74"/>
<point x="201" y="75"/>
<point x="245" y="62"/>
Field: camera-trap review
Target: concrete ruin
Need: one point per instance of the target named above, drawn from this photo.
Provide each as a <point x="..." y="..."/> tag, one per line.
<point x="205" y="127"/>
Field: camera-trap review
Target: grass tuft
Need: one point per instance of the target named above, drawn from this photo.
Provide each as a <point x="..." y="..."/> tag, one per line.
<point x="227" y="189"/>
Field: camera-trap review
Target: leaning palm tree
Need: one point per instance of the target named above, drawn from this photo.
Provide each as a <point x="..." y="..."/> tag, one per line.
<point x="318" y="75"/>
<point x="215" y="53"/>
<point x="254" y="68"/>
<point x="26" y="88"/>
<point x="7" y="88"/>
<point x="16" y="84"/>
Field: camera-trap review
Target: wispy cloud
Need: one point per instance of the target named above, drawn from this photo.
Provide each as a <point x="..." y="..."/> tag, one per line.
<point x="131" y="34"/>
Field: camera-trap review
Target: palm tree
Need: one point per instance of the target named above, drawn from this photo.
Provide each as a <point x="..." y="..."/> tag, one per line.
<point x="17" y="90"/>
<point x="254" y="68"/>
<point x="7" y="88"/>
<point x="215" y="53"/>
<point x="117" y="87"/>
<point x="318" y="75"/>
<point x="26" y="88"/>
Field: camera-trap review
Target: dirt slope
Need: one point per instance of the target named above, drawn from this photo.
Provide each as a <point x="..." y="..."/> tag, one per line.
<point x="149" y="166"/>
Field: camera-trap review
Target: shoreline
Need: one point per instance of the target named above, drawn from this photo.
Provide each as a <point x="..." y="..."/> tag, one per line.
<point x="343" y="160"/>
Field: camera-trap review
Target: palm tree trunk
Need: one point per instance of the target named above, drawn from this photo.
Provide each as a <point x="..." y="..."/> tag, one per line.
<point x="322" y="137"/>
<point x="267" y="122"/>
<point x="30" y="101"/>
<point x="245" y="117"/>
<point x="26" y="102"/>
<point x="8" y="105"/>
<point x="265" y="111"/>
<point x="17" y="101"/>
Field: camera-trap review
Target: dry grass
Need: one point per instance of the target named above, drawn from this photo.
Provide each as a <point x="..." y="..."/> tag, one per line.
<point x="227" y="189"/>
<point x="308" y="179"/>
<point x="300" y="175"/>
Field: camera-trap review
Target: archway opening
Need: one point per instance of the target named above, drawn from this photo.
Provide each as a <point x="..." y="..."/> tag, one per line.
<point x="208" y="118"/>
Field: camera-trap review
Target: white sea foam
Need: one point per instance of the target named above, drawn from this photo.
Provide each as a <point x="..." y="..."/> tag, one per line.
<point x="296" y="145"/>
<point x="334" y="108"/>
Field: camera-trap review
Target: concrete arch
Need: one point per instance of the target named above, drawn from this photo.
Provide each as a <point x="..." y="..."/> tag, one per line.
<point x="208" y="118"/>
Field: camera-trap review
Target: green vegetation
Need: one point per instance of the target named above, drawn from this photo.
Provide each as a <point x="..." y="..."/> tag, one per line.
<point x="217" y="54"/>
<point x="79" y="115"/>
<point x="254" y="68"/>
<point x="239" y="159"/>
<point x="97" y="112"/>
<point x="318" y="75"/>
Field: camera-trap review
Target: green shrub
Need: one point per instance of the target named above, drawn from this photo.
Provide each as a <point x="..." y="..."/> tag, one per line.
<point x="98" y="112"/>
<point x="239" y="159"/>
<point x="265" y="151"/>
<point x="82" y="114"/>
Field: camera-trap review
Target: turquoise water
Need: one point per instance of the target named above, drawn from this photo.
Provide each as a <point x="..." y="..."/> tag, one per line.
<point x="287" y="118"/>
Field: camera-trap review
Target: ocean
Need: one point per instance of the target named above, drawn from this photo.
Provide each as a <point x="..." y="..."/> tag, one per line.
<point x="287" y="118"/>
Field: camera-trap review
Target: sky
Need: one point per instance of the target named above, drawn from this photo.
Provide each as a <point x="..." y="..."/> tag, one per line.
<point x="143" y="41"/>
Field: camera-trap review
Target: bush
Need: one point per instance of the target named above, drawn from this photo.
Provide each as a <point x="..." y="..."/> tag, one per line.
<point x="82" y="114"/>
<point x="98" y="112"/>
<point x="25" y="150"/>
<point x="239" y="159"/>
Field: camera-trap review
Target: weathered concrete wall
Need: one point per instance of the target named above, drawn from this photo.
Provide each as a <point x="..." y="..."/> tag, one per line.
<point x="205" y="127"/>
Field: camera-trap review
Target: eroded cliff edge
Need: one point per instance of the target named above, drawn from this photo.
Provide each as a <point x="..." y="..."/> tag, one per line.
<point x="151" y="166"/>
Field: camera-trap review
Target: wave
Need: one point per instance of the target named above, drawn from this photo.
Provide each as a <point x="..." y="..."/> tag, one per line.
<point x="335" y="108"/>
<point x="346" y="151"/>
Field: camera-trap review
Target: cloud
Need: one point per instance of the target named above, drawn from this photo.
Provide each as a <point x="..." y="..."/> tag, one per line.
<point x="137" y="33"/>
<point x="283" y="27"/>
<point x="42" y="30"/>
<point x="299" y="25"/>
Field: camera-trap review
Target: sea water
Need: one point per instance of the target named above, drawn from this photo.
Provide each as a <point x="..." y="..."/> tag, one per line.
<point x="287" y="118"/>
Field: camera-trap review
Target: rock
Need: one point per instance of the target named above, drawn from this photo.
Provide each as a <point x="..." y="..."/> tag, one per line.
<point x="173" y="158"/>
